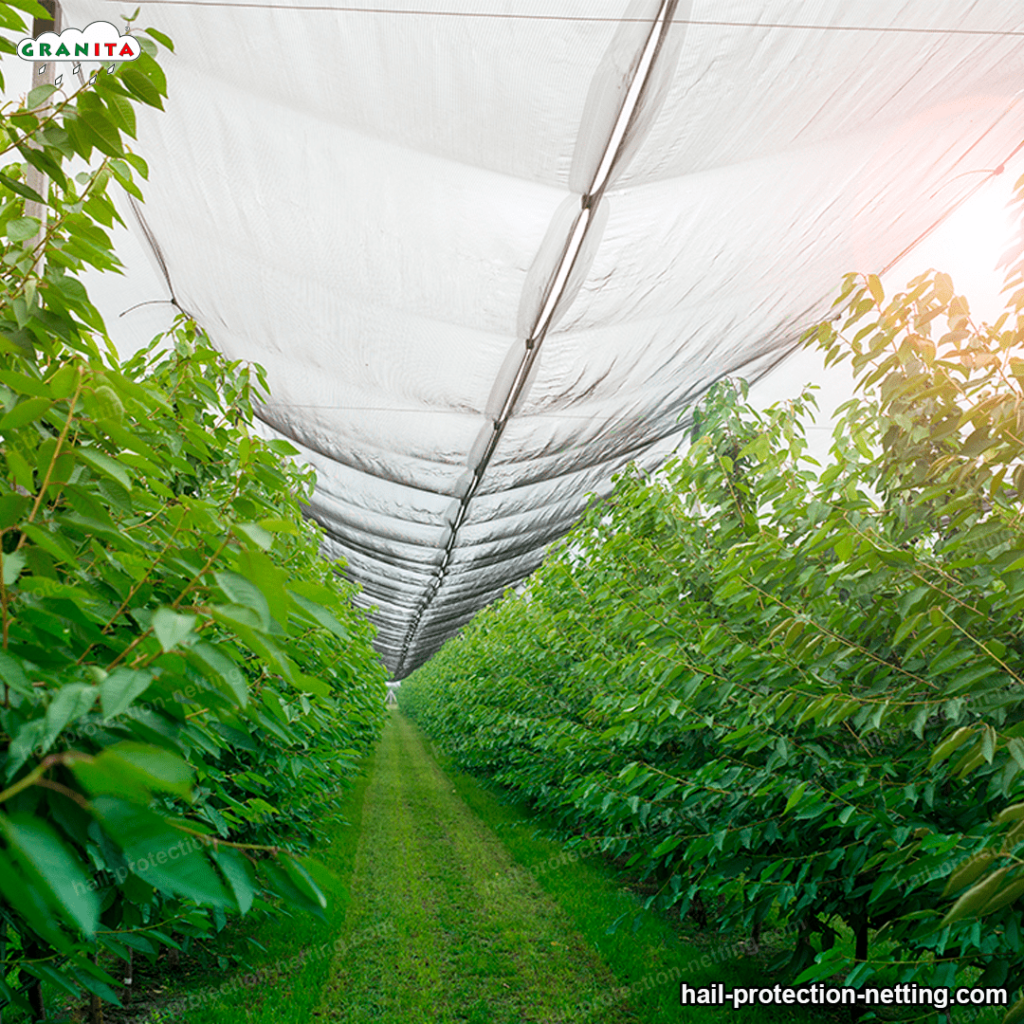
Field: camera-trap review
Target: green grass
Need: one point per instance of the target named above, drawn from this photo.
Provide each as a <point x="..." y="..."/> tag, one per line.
<point x="647" y="954"/>
<point x="461" y="908"/>
<point x="451" y="945"/>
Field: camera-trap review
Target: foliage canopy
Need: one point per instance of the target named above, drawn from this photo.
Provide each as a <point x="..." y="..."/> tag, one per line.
<point x="185" y="683"/>
<point x="793" y="690"/>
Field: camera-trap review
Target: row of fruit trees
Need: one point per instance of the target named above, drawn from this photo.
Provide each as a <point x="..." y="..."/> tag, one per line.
<point x="185" y="685"/>
<point x="791" y="695"/>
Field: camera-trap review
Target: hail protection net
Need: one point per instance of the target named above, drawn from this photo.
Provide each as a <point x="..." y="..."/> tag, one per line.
<point x="490" y="250"/>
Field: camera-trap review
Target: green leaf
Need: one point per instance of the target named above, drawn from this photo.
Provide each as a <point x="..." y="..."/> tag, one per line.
<point x="123" y="173"/>
<point x="58" y="979"/>
<point x="13" y="675"/>
<point x="39" y="95"/>
<point x="56" y="871"/>
<point x="21" y="189"/>
<point x="975" y="898"/>
<point x="1015" y="1014"/>
<point x="978" y="442"/>
<point x="1015" y="812"/>
<point x="171" y="627"/>
<point x="147" y="66"/>
<point x="103" y="403"/>
<point x="666" y="846"/>
<point x="310" y="684"/>
<point x="138" y="163"/>
<point x="794" y="797"/>
<point x="70" y="703"/>
<point x="134" y="771"/>
<point x="21" y="229"/>
<point x="164" y="41"/>
<point x="142" y="87"/>
<point x="42" y="161"/>
<point x="318" y="613"/>
<point x="51" y="542"/>
<point x="46" y="587"/>
<point x="18" y="465"/>
<point x="63" y="382"/>
<point x="104" y="464"/>
<point x="121" y="687"/>
<point x="216" y="666"/>
<point x="240" y="591"/>
<point x="1004" y="897"/>
<point x="101" y="130"/>
<point x="25" y="412"/>
<point x="239" y="872"/>
<point x="257" y="568"/>
<point x="244" y="621"/>
<point x="954" y="741"/>
<point x="257" y="534"/>
<point x="968" y="871"/>
<point x="84" y="971"/>
<point x="276" y="525"/>
<point x="12" y="508"/>
<point x="167" y="858"/>
<point x="123" y="113"/>
<point x="36" y="10"/>
<point x="303" y="880"/>
<point x="292" y="885"/>
<point x="272" y="702"/>
<point x="25" y="384"/>
<point x="13" y="564"/>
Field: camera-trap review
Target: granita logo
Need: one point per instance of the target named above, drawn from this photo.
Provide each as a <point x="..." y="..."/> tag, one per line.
<point x="98" y="41"/>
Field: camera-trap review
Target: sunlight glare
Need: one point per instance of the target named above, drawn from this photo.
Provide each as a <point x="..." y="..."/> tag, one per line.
<point x="967" y="246"/>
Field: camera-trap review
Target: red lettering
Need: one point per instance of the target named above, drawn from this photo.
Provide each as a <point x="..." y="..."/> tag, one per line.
<point x="110" y="48"/>
<point x="97" y="50"/>
<point x="126" y="51"/>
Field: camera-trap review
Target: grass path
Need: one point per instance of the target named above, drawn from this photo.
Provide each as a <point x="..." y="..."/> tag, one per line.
<point x="441" y="926"/>
<point x="449" y="904"/>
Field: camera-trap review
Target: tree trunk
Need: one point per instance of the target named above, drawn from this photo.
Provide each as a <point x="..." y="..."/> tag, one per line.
<point x="861" y="931"/>
<point x="95" y="1006"/>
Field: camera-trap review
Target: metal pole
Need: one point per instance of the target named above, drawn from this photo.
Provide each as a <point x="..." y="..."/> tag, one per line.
<point x="42" y="74"/>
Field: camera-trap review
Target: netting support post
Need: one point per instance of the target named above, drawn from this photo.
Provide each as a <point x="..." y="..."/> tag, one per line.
<point x="42" y="74"/>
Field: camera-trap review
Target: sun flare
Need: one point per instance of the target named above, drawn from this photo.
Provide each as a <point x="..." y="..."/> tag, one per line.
<point x="967" y="246"/>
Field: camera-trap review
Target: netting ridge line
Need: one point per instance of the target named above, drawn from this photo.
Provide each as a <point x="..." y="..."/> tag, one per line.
<point x="660" y="25"/>
<point x="590" y="18"/>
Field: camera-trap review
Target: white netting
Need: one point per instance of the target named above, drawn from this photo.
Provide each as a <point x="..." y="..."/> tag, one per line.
<point x="377" y="206"/>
